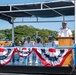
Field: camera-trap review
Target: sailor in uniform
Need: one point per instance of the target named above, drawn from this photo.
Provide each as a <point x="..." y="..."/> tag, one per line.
<point x="38" y="44"/>
<point x="64" y="31"/>
<point x="28" y="43"/>
<point x="50" y="42"/>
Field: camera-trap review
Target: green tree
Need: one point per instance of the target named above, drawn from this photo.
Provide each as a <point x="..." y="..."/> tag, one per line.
<point x="24" y="31"/>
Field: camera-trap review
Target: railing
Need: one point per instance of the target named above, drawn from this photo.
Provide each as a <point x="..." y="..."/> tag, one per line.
<point x="20" y="55"/>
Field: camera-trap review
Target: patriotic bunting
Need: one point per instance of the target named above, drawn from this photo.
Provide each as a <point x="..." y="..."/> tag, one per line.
<point x="52" y="56"/>
<point x="48" y="56"/>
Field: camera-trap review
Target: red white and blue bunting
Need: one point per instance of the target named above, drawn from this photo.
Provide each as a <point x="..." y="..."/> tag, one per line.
<point x="24" y="51"/>
<point x="48" y="56"/>
<point x="52" y="56"/>
<point x="6" y="55"/>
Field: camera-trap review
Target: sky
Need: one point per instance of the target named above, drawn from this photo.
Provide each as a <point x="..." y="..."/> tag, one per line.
<point x="51" y="25"/>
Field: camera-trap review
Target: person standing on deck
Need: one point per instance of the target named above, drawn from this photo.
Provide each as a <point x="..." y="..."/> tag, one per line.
<point x="38" y="44"/>
<point x="28" y="43"/>
<point x="50" y="43"/>
<point x="64" y="31"/>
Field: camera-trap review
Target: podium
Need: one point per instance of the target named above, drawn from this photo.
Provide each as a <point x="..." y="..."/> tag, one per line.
<point x="66" y="41"/>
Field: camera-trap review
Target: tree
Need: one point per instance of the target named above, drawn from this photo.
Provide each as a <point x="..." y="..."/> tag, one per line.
<point x="24" y="31"/>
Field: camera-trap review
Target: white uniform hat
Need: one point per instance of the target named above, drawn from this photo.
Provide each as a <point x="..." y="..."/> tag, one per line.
<point x="28" y="37"/>
<point x="38" y="37"/>
<point x="50" y="37"/>
<point x="64" y="23"/>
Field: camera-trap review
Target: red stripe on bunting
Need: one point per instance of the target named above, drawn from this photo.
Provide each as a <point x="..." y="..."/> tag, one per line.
<point x="52" y="50"/>
<point x="24" y="48"/>
<point x="2" y="49"/>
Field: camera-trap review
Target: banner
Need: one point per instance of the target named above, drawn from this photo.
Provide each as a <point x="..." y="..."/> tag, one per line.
<point x="6" y="54"/>
<point x="52" y="56"/>
<point x="48" y="56"/>
<point x="24" y="51"/>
